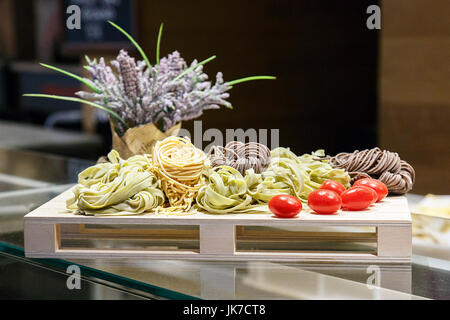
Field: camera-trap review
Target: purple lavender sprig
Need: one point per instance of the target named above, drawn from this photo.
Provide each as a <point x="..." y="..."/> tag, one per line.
<point x="161" y="97"/>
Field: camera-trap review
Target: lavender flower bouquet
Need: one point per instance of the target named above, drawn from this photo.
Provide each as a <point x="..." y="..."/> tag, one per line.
<point x="137" y="94"/>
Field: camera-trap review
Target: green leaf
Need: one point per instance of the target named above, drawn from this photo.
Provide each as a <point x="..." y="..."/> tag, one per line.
<point x="138" y="47"/>
<point x="90" y="85"/>
<point x="158" y="43"/>
<point x="112" y="113"/>
<point x="193" y="67"/>
<point x="231" y="83"/>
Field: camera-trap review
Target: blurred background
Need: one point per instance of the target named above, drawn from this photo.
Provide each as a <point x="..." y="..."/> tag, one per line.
<point x="339" y="87"/>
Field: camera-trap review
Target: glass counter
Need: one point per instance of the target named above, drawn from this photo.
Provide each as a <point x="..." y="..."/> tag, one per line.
<point x="29" y="179"/>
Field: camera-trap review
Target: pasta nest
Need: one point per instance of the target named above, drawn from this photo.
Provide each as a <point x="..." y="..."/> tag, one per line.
<point x="179" y="165"/>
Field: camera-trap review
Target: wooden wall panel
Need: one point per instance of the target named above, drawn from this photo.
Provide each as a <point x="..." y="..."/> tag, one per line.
<point x="414" y="96"/>
<point x="324" y="56"/>
<point x="17" y="29"/>
<point x="7" y="41"/>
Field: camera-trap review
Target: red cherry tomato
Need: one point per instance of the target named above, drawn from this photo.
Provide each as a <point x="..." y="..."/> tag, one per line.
<point x="285" y="206"/>
<point x="333" y="186"/>
<point x="373" y="192"/>
<point x="356" y="198"/>
<point x="374" y="184"/>
<point x="324" y="201"/>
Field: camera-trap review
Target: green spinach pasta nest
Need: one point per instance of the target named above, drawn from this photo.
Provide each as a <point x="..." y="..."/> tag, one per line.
<point x="316" y="170"/>
<point x="119" y="187"/>
<point x="226" y="192"/>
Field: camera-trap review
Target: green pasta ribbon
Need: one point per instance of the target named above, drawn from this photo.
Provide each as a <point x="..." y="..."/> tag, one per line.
<point x="283" y="176"/>
<point x="316" y="171"/>
<point x="226" y="191"/>
<point x="119" y="187"/>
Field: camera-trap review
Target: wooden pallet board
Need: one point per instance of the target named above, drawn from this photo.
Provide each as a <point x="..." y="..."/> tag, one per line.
<point x="217" y="235"/>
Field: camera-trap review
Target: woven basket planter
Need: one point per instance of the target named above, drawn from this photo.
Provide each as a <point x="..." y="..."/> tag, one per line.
<point x="140" y="140"/>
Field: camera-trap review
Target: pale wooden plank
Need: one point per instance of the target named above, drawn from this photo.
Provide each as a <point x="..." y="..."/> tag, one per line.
<point x="394" y="241"/>
<point x="40" y="238"/>
<point x="391" y="210"/>
<point x="238" y="256"/>
<point x="217" y="239"/>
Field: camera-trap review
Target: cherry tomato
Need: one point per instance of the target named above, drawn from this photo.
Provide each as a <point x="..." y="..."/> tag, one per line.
<point x="356" y="198"/>
<point x="333" y="186"/>
<point x="285" y="206"/>
<point x="374" y="184"/>
<point x="373" y="192"/>
<point x="324" y="201"/>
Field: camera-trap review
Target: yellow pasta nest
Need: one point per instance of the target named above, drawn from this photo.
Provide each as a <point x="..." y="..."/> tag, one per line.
<point x="179" y="166"/>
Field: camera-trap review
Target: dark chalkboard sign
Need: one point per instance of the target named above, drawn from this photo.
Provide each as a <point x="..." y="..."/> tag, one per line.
<point x="95" y="32"/>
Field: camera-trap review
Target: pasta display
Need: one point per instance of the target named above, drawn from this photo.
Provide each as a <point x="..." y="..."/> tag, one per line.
<point x="386" y="166"/>
<point x="117" y="187"/>
<point x="179" y="178"/>
<point x="228" y="191"/>
<point x="179" y="166"/>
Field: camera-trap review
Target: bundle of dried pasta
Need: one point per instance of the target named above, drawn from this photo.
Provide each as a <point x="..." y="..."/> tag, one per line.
<point x="297" y="176"/>
<point x="386" y="166"/>
<point x="241" y="156"/>
<point x="179" y="166"/>
<point x="283" y="176"/>
<point x="316" y="170"/>
<point x="226" y="192"/>
<point x="118" y="187"/>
